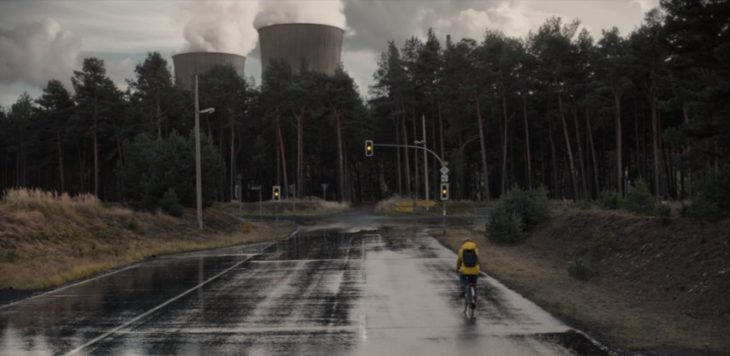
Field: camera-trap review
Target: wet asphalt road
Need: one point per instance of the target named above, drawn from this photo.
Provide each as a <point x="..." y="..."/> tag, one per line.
<point x="350" y="287"/>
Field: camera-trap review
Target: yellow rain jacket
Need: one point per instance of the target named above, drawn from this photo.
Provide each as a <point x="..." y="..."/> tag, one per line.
<point x="469" y="271"/>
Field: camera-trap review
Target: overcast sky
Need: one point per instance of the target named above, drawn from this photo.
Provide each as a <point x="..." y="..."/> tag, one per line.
<point x="42" y="40"/>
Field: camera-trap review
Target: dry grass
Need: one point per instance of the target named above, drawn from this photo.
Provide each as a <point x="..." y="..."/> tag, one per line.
<point x="308" y="206"/>
<point x="397" y="205"/>
<point x="44" y="201"/>
<point x="47" y="239"/>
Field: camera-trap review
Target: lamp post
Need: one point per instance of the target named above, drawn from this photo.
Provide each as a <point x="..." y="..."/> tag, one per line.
<point x="198" y="171"/>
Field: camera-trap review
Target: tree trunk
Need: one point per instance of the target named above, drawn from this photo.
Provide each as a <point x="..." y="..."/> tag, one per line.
<point x="283" y="160"/>
<point x="655" y="140"/>
<point x="528" y="159"/>
<point x="568" y="147"/>
<point x="340" y="155"/>
<point x="300" y="153"/>
<point x="397" y="152"/>
<point x="589" y="132"/>
<point x="581" y="161"/>
<point x="553" y="159"/>
<point x="158" y="113"/>
<point x="96" y="150"/>
<point x="60" y="161"/>
<point x="619" y="140"/>
<point x="485" y="170"/>
<point x="505" y="141"/>
<point x="233" y="159"/>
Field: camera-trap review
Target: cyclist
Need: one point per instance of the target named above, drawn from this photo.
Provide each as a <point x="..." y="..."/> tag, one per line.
<point x="467" y="263"/>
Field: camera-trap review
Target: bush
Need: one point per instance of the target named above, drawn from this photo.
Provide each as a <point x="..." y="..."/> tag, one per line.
<point x="581" y="270"/>
<point x="663" y="212"/>
<point x="531" y="206"/>
<point x="703" y="210"/>
<point x="610" y="199"/>
<point x="505" y="226"/>
<point x="601" y="245"/>
<point x="584" y="204"/>
<point x="170" y="204"/>
<point x="152" y="166"/>
<point x="639" y="200"/>
<point x="516" y="212"/>
<point x="713" y="201"/>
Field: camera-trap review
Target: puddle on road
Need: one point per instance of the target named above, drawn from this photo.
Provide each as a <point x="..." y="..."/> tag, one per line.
<point x="571" y="340"/>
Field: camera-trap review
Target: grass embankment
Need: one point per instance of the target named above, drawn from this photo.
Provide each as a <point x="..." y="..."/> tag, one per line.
<point x="652" y="287"/>
<point x="48" y="240"/>
<point x="310" y="206"/>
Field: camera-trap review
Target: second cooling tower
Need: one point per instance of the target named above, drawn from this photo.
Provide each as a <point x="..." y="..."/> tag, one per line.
<point x="312" y="46"/>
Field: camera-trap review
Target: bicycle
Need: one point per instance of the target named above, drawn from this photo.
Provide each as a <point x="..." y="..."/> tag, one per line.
<point x="470" y="300"/>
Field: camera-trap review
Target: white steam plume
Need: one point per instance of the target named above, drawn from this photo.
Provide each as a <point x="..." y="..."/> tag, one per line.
<point x="221" y="26"/>
<point x="35" y="52"/>
<point x="326" y="12"/>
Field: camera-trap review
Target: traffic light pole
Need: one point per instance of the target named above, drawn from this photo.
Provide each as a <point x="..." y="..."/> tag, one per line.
<point x="441" y="161"/>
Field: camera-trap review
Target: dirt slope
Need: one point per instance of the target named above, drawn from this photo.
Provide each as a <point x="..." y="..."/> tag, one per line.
<point x="663" y="289"/>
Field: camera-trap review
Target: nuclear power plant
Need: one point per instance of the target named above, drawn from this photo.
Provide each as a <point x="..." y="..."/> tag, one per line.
<point x="187" y="65"/>
<point x="312" y="46"/>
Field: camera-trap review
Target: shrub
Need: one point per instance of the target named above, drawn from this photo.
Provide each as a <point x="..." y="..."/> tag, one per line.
<point x="663" y="212"/>
<point x="610" y="199"/>
<point x="505" y="226"/>
<point x="601" y="245"/>
<point x="152" y="166"/>
<point x="584" y="204"/>
<point x="639" y="200"/>
<point x="132" y="224"/>
<point x="170" y="204"/>
<point x="531" y="206"/>
<point x="581" y="270"/>
<point x="703" y="210"/>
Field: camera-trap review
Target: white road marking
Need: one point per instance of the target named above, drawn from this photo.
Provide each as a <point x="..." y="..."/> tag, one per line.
<point x="139" y="317"/>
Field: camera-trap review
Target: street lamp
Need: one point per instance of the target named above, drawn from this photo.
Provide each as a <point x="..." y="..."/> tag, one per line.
<point x="198" y="172"/>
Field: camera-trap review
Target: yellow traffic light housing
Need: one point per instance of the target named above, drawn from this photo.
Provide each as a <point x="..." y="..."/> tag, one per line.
<point x="444" y="191"/>
<point x="276" y="192"/>
<point x="369" y="148"/>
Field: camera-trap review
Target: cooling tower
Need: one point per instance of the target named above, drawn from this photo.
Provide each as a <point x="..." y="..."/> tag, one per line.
<point x="191" y="63"/>
<point x="316" y="47"/>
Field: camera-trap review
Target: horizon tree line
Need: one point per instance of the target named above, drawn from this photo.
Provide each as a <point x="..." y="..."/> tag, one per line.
<point x="555" y="108"/>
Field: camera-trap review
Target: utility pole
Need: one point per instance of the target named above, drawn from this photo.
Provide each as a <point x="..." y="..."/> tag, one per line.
<point x="198" y="169"/>
<point x="425" y="155"/>
<point x="198" y="174"/>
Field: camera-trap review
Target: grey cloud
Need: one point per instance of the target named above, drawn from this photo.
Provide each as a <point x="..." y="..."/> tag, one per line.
<point x="327" y="12"/>
<point x="221" y="26"/>
<point x="34" y="52"/>
<point x="372" y="23"/>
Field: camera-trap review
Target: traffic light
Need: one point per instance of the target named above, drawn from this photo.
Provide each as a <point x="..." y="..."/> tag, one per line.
<point x="276" y="192"/>
<point x="369" y="149"/>
<point x="444" y="191"/>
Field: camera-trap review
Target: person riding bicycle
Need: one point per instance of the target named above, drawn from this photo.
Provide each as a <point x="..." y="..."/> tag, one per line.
<point x="467" y="263"/>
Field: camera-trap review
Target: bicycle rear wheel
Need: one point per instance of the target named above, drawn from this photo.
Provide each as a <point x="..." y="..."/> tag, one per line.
<point x="471" y="301"/>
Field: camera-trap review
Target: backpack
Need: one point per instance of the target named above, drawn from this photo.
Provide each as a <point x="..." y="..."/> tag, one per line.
<point x="469" y="258"/>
